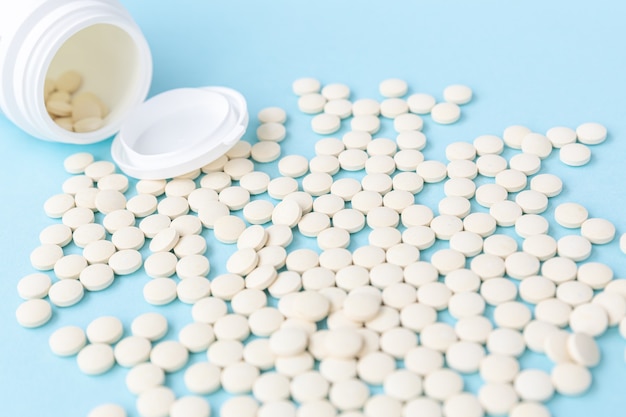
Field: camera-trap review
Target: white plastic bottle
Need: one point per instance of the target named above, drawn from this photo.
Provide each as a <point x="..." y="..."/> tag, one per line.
<point x="42" y="39"/>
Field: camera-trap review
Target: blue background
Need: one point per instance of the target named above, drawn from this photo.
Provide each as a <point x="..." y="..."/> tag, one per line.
<point x="536" y="63"/>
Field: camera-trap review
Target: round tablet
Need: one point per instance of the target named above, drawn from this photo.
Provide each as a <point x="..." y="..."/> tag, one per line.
<point x="488" y="145"/>
<point x="76" y="163"/>
<point x="534" y="385"/>
<point x="125" y="262"/>
<point x="272" y="131"/>
<point x="457" y="93"/>
<point x="393" y="107"/>
<point x="575" y="154"/>
<point x="421" y="103"/>
<point x="238" y="378"/>
<point x="407" y="123"/>
<point x="238" y="167"/>
<point x="143" y="377"/>
<point x="525" y="162"/>
<point x="571" y="379"/>
<point x="305" y="85"/>
<point x="271" y="387"/>
<point x="496" y="368"/>
<point x="574" y="293"/>
<point x="160" y="291"/>
<point x="132" y="351"/>
<point x="445" y="226"/>
<point x="489" y="165"/>
<point x="438" y="336"/>
<point x="499" y="245"/>
<point x="105" y="329"/>
<point x="520" y="265"/>
<point x="239" y="406"/>
<point x="560" y="136"/>
<point x="411" y="140"/>
<point x="577" y="248"/>
<point x="487" y="266"/>
<point x="536" y="333"/>
<point x="497" y="290"/>
<point x="536" y="288"/>
<point x="234" y="197"/>
<point x="447" y="260"/>
<point x="325" y="124"/>
<point x="56" y="234"/>
<point x="312" y="224"/>
<point x="553" y="311"/>
<point x="506" y="342"/>
<point x="190" y="406"/>
<point x="192" y="289"/>
<point x="155" y="402"/>
<point x="598" y="231"/>
<point x="86" y="198"/>
<point x="366" y="107"/>
<point x="67" y="340"/>
<point x="559" y="269"/>
<point x="78" y="216"/>
<point x="76" y="184"/>
<point x="95" y="359"/>
<point x="127" y="238"/>
<point x="489" y="194"/>
<point x="66" y="293"/>
<point x="366" y="123"/>
<point x="393" y="87"/>
<point x="34" y="286"/>
<point x="445" y="113"/>
<point x="513" y="136"/>
<point x="531" y="224"/>
<point x="152" y="326"/>
<point x="279" y="235"/>
<point x="311" y="103"/>
<point x="591" y="133"/>
<point x="408" y="160"/>
<point x="341" y="108"/>
<point x="119" y="219"/>
<point x="464" y="356"/>
<point x="432" y="171"/>
<point x="590" y="319"/>
<point x="317" y="183"/>
<point x="169" y="355"/>
<point x="473" y="329"/>
<point x="442" y="384"/>
<point x="349" y="394"/>
<point x="583" y="349"/>
<point x="497" y="398"/>
<point x="536" y="144"/>
<point x="228" y="228"/>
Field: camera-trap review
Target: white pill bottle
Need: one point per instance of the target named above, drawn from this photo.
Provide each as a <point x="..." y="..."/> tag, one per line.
<point x="42" y="39"/>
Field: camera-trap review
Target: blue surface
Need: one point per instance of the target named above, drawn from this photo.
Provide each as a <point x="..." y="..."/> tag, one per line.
<point x="534" y="63"/>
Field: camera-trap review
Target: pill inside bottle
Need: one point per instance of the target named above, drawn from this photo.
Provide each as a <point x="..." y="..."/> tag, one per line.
<point x="94" y="78"/>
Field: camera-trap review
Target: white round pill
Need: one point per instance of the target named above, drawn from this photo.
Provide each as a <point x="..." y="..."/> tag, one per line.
<point x="571" y="379"/>
<point x="67" y="341"/>
<point x="575" y="154"/>
<point x="591" y="133"/>
<point x="34" y="286"/>
<point x="497" y="398"/>
<point x="95" y="359"/>
<point x="155" y="402"/>
<point x="66" y="292"/>
<point x="445" y="113"/>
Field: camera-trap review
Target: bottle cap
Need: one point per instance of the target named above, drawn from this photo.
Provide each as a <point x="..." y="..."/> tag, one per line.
<point x="178" y="131"/>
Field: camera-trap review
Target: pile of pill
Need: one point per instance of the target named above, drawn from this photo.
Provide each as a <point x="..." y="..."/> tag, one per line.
<point x="70" y="108"/>
<point x="389" y="328"/>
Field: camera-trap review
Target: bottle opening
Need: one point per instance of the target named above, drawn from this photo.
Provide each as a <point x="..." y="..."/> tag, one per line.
<point x="105" y="59"/>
